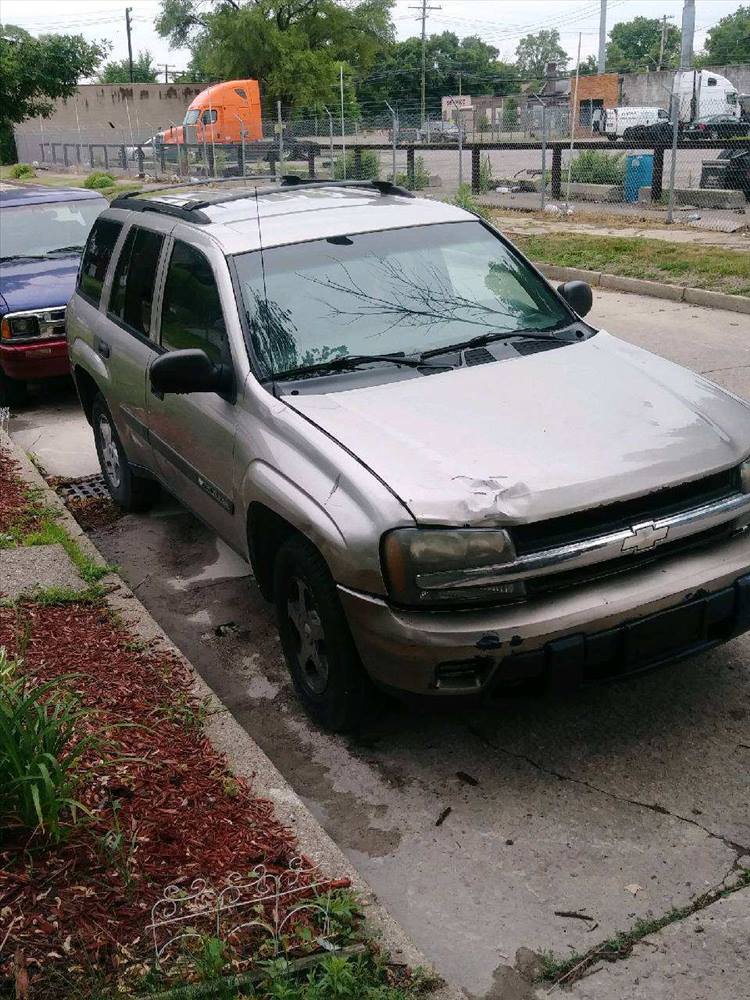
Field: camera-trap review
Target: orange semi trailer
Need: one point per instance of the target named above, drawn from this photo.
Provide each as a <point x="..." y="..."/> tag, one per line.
<point x="220" y="113"/>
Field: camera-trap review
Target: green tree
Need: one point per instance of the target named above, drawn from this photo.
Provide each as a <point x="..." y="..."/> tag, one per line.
<point x="634" y="46"/>
<point x="293" y="47"/>
<point x="587" y="66"/>
<point x="144" y="71"/>
<point x="34" y="72"/>
<point x="729" y="40"/>
<point x="453" y="65"/>
<point x="535" y="51"/>
<point x="510" y="115"/>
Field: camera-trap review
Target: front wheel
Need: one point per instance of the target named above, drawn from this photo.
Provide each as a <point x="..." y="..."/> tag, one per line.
<point x="325" y="668"/>
<point x="130" y="492"/>
<point x="612" y="138"/>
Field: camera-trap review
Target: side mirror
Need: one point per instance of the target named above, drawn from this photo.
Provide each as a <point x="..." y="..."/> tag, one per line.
<point x="188" y="371"/>
<point x="578" y="295"/>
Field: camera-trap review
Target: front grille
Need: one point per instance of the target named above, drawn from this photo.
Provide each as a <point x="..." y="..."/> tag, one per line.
<point x="585" y="524"/>
<point x="543" y="585"/>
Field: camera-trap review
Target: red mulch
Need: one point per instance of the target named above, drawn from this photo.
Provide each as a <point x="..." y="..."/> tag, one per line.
<point x="13" y="502"/>
<point x="71" y="906"/>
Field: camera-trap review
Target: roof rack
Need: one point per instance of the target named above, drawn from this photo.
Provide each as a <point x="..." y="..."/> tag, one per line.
<point x="191" y="211"/>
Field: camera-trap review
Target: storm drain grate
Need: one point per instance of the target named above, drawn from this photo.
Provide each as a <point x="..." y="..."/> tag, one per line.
<point x="84" y="488"/>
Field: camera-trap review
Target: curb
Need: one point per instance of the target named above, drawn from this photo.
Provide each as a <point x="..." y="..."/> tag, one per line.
<point x="656" y="289"/>
<point x="243" y="755"/>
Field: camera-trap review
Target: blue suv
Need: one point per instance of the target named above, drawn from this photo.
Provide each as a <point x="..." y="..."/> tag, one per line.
<point x="42" y="234"/>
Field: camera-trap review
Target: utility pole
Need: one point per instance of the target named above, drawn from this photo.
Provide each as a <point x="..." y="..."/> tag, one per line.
<point x="425" y="9"/>
<point x="663" y="39"/>
<point x="688" y="32"/>
<point x="602" y="61"/>
<point x="128" y="12"/>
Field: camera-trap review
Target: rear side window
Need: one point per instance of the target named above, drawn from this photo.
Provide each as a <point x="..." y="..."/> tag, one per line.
<point x="96" y="258"/>
<point x="191" y="315"/>
<point x="133" y="283"/>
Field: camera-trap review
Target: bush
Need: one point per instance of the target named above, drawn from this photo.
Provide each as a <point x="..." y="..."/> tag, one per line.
<point x="21" y="170"/>
<point x="99" y="179"/>
<point x="41" y="752"/>
<point x="370" y="169"/>
<point x="421" y="176"/>
<point x="485" y="173"/>
<point x="594" y="167"/>
<point x="510" y="115"/>
<point x="483" y="124"/>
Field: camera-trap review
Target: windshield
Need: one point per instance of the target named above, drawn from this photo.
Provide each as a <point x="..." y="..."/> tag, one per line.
<point x="39" y="230"/>
<point x="403" y="290"/>
<point x="191" y="117"/>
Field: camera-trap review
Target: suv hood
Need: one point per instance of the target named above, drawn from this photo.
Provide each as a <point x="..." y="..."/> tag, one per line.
<point x="38" y="284"/>
<point x="533" y="438"/>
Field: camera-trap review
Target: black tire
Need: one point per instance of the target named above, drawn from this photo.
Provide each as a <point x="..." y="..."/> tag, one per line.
<point x="130" y="492"/>
<point x="612" y="138"/>
<point x="332" y="684"/>
<point x="12" y="392"/>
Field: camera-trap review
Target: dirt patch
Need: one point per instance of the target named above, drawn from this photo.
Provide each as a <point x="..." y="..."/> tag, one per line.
<point x="16" y="511"/>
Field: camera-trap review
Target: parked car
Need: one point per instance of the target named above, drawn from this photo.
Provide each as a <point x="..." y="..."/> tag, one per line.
<point x="730" y="170"/>
<point x="442" y="476"/>
<point x="442" y="132"/>
<point x="42" y="233"/>
<point x="659" y="133"/>
<point x="616" y="123"/>
<point x="717" y="127"/>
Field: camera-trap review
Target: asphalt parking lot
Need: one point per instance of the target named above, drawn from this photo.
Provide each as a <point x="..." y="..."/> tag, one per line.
<point x="620" y="802"/>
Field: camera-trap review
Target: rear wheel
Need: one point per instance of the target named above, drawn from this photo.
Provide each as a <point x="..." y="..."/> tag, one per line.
<point x="323" y="662"/>
<point x="131" y="492"/>
<point x="12" y="392"/>
<point x="612" y="138"/>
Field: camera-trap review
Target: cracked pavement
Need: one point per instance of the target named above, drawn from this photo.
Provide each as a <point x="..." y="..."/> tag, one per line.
<point x="620" y="802"/>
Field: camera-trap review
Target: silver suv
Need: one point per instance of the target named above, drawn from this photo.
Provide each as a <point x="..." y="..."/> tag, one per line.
<point x="445" y="480"/>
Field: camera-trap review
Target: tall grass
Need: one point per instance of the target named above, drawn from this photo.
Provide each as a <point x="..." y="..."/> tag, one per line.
<point x="41" y="754"/>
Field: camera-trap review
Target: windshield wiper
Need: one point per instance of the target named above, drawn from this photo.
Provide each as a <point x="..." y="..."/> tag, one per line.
<point x="349" y="361"/>
<point x="487" y="338"/>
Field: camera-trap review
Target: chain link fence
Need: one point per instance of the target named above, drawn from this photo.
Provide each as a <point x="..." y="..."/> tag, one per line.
<point x="525" y="160"/>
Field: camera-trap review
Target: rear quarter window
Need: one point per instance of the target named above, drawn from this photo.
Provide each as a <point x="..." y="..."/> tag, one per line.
<point x="96" y="257"/>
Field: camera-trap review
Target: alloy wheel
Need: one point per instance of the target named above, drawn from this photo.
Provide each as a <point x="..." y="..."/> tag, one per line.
<point x="309" y="636"/>
<point x="110" y="452"/>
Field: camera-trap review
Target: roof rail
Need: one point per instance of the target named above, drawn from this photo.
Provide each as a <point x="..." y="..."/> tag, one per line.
<point x="191" y="211"/>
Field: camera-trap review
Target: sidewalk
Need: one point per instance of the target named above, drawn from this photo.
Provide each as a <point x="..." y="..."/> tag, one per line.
<point x="97" y="898"/>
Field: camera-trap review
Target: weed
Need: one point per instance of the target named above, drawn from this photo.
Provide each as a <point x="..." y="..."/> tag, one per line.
<point x="51" y="532"/>
<point x="421" y="178"/>
<point x="119" y="847"/>
<point x="99" y="179"/>
<point x="41" y="753"/>
<point x="591" y="166"/>
<point x="184" y="711"/>
<point x="485" y="174"/>
<point x="20" y="171"/>
<point x="211" y="958"/>
<point x="48" y="596"/>
<point x="369" y="165"/>
<point x="466" y="200"/>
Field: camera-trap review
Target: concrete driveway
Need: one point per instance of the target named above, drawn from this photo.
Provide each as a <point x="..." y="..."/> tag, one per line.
<point x="619" y="803"/>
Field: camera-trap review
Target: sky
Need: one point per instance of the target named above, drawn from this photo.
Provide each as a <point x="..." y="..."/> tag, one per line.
<point x="499" y="22"/>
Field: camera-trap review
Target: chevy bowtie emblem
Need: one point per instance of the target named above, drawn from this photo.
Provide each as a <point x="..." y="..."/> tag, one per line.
<point x="645" y="536"/>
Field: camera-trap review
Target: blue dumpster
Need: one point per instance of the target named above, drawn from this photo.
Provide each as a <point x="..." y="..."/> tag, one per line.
<point x="639" y="172"/>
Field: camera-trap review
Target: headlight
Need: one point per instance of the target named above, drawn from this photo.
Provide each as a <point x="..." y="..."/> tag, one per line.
<point x="745" y="476"/>
<point x="20" y="326"/>
<point x="433" y="566"/>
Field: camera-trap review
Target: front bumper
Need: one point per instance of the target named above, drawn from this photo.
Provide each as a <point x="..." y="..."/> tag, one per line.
<point x="35" y="360"/>
<point x="617" y="625"/>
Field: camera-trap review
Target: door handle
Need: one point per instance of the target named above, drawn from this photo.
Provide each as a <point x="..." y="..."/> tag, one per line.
<point x="103" y="347"/>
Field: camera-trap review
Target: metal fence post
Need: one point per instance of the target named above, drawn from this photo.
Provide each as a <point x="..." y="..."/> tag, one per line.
<point x="330" y="141"/>
<point x="673" y="164"/>
<point x="91" y="156"/>
<point x="106" y="156"/>
<point x="410" y="172"/>
<point x="357" y="163"/>
<point x="544" y="156"/>
<point x="141" y="169"/>
<point x="394" y="137"/>
<point x="124" y="157"/>
<point x="311" y="161"/>
<point x="272" y="163"/>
